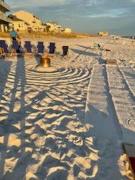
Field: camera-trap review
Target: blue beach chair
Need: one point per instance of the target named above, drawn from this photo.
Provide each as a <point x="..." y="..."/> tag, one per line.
<point x="40" y="47"/>
<point x="28" y="46"/>
<point x="52" y="48"/>
<point x="15" y="45"/>
<point x="4" y="46"/>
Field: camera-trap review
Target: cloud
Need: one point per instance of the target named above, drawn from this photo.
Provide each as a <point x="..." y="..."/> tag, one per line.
<point x="113" y="13"/>
<point x="79" y="13"/>
<point x="47" y="3"/>
<point x="35" y="3"/>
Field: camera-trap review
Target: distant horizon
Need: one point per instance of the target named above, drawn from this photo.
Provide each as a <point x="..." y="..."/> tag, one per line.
<point x="115" y="17"/>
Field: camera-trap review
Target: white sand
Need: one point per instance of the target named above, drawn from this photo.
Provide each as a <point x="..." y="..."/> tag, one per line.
<point x="68" y="124"/>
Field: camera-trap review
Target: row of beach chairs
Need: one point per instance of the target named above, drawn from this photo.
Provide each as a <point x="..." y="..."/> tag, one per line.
<point x="29" y="48"/>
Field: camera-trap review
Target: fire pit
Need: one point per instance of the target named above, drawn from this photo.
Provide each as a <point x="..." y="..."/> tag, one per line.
<point x="45" y="64"/>
<point x="45" y="61"/>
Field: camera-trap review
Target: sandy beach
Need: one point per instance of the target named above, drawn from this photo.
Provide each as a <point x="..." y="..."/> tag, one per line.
<point x="69" y="124"/>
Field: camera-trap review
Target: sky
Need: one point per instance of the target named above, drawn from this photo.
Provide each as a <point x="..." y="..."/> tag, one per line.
<point x="87" y="16"/>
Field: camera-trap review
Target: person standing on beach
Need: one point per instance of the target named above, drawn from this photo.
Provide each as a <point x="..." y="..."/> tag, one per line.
<point x="13" y="35"/>
<point x="15" y="40"/>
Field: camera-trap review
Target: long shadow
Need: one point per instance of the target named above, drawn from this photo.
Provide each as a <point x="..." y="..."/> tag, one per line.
<point x="19" y="86"/>
<point x="128" y="73"/>
<point x="37" y="58"/>
<point x="100" y="59"/>
<point x="4" y="72"/>
<point x="81" y="52"/>
<point x="85" y="47"/>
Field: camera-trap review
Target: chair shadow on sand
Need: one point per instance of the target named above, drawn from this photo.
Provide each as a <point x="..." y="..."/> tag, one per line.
<point x="85" y="47"/>
<point x="98" y="57"/>
<point x="7" y="125"/>
<point x="83" y="52"/>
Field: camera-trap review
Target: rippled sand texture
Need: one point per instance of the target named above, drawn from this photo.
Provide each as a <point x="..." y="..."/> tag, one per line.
<point x="43" y="132"/>
<point x="61" y="125"/>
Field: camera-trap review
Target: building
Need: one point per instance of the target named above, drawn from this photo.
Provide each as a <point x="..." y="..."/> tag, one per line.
<point x="26" y="21"/>
<point x="18" y="24"/>
<point x="103" y="34"/>
<point x="68" y="30"/>
<point x="53" y="27"/>
<point x="4" y="21"/>
<point x="32" y="21"/>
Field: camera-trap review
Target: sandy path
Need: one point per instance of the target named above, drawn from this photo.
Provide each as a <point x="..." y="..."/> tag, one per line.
<point x="101" y="115"/>
<point x="124" y="103"/>
<point x="129" y="75"/>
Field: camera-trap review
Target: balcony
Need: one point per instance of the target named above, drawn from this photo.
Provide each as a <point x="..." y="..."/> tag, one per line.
<point x="4" y="5"/>
<point x="4" y="18"/>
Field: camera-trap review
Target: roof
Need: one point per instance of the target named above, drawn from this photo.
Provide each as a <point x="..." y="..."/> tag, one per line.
<point x="25" y="13"/>
<point x="4" y="5"/>
<point x="14" y="18"/>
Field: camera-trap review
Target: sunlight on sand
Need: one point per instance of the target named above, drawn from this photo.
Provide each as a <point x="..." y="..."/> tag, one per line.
<point x="64" y="124"/>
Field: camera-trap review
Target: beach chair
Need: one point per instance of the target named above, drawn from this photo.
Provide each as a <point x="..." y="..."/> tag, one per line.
<point x="52" y="48"/>
<point x="4" y="46"/>
<point x="28" y="46"/>
<point x="65" y="50"/>
<point x="15" y="45"/>
<point x="16" y="48"/>
<point x="40" y="47"/>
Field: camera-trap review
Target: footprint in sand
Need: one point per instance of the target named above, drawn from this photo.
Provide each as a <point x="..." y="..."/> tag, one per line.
<point x="57" y="173"/>
<point x="76" y="127"/>
<point x="75" y="139"/>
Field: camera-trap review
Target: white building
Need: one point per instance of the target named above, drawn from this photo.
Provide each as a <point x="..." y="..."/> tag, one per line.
<point x="26" y="21"/>
<point x="53" y="27"/>
<point x="18" y="24"/>
<point x="68" y="30"/>
<point x="4" y="21"/>
<point x="33" y="22"/>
